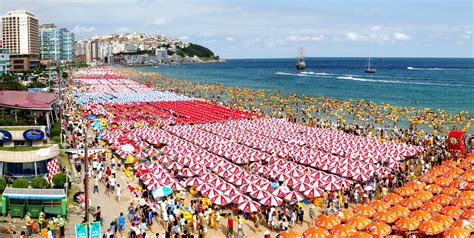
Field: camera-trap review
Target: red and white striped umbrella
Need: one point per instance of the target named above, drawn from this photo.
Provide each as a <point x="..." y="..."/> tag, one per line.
<point x="186" y="172"/>
<point x="249" y="206"/>
<point x="142" y="144"/>
<point x="247" y="188"/>
<point x="164" y="159"/>
<point x="271" y="201"/>
<point x="301" y="186"/>
<point x="204" y="186"/>
<point x="260" y="194"/>
<point x="153" y="151"/>
<point x="224" y="187"/>
<point x="174" y="166"/>
<point x="221" y="200"/>
<point x="140" y="154"/>
<point x="281" y="191"/>
<point x="145" y="176"/>
<point x="294" y="196"/>
<point x="313" y="192"/>
<point x="240" y="198"/>
<point x="291" y="181"/>
<point x="194" y="182"/>
<point x="210" y="193"/>
<point x="331" y="187"/>
<point x="176" y="186"/>
<point x="231" y="192"/>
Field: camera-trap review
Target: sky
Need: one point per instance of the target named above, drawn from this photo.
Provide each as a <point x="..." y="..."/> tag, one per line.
<point x="275" y="28"/>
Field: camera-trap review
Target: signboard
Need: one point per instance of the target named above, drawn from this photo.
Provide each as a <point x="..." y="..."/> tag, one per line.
<point x="456" y="142"/>
<point x="81" y="231"/>
<point x="5" y="136"/>
<point x="95" y="229"/>
<point x="33" y="134"/>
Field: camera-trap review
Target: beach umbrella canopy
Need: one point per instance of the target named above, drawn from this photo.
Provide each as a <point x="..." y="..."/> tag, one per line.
<point x="293" y="196"/>
<point x="451" y="211"/>
<point x="442" y="199"/>
<point x="359" y="222"/>
<point x="407" y="224"/>
<point x="461" y="202"/>
<point x="249" y="206"/>
<point x="379" y="229"/>
<point x="240" y="198"/>
<point x="288" y="234"/>
<point x="392" y="198"/>
<point x="315" y="232"/>
<point x="361" y="234"/>
<point x="446" y="221"/>
<point x="260" y="194"/>
<point x="450" y="191"/>
<point x="404" y="191"/>
<point x="211" y="192"/>
<point x="194" y="182"/>
<point x="343" y="230"/>
<point x="364" y="210"/>
<point x="416" y="185"/>
<point x="221" y="200"/>
<point x="420" y="215"/>
<point x="343" y="215"/>
<point x="423" y="195"/>
<point x="271" y="201"/>
<point x="431" y="228"/>
<point x="434" y="188"/>
<point x="465" y="224"/>
<point x="467" y="194"/>
<point x="385" y="216"/>
<point x="431" y="207"/>
<point x="456" y="232"/>
<point x="399" y="211"/>
<point x="327" y="222"/>
<point x="313" y="192"/>
<point x="162" y="192"/>
<point x="411" y="203"/>
<point x="379" y="205"/>
<point x="468" y="215"/>
<point x="231" y="192"/>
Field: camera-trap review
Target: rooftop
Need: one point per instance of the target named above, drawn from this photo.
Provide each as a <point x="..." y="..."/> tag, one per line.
<point x="27" y="100"/>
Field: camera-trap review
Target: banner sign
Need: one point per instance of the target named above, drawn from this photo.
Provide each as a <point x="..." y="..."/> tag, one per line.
<point x="81" y="230"/>
<point x="33" y="134"/>
<point x="5" y="136"/>
<point x="456" y="141"/>
<point x="95" y="229"/>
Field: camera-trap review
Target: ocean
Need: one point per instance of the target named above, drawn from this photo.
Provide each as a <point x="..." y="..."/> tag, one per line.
<point x="445" y="83"/>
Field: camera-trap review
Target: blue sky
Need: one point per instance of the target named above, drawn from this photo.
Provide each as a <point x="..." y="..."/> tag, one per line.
<point x="273" y="28"/>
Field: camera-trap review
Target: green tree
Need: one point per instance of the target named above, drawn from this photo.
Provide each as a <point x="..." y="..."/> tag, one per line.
<point x="39" y="182"/>
<point x="37" y="85"/>
<point x="65" y="75"/>
<point x="3" y="184"/>
<point x="59" y="180"/>
<point x="20" y="183"/>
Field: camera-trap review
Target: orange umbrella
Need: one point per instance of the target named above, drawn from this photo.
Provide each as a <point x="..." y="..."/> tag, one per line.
<point x="461" y="202"/>
<point x="468" y="215"/>
<point x="442" y="199"/>
<point x="450" y="191"/>
<point x="394" y="236"/>
<point x="455" y="183"/>
<point x="407" y="224"/>
<point x="468" y="177"/>
<point x="431" y="228"/>
<point x="379" y="229"/>
<point x="411" y="203"/>
<point x="420" y="215"/>
<point x="450" y="175"/>
<point x="399" y="211"/>
<point x="465" y="224"/>
<point x="445" y="220"/>
<point x="392" y="198"/>
<point x="343" y="215"/>
<point x="423" y="195"/>
<point x="379" y="205"/>
<point x="288" y="234"/>
<point x="343" y="230"/>
<point x="456" y="232"/>
<point x="451" y="211"/>
<point x="450" y="163"/>
<point x="455" y="170"/>
<point x="464" y="165"/>
<point x="431" y="207"/>
<point x="443" y="182"/>
<point x="359" y="222"/>
<point x="361" y="234"/>
<point x="428" y="178"/>
<point x="385" y="216"/>
<point x="315" y="232"/>
<point x="417" y="185"/>
<point x="470" y="186"/>
<point x="467" y="194"/>
<point x="404" y="191"/>
<point x="434" y="188"/>
<point x="364" y="210"/>
<point x="327" y="222"/>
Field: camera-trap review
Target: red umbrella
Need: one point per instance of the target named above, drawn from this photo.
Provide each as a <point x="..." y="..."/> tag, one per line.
<point x="187" y="172"/>
<point x="293" y="196"/>
<point x="249" y="188"/>
<point x="240" y="198"/>
<point x="212" y="192"/>
<point x="231" y="192"/>
<point x="313" y="192"/>
<point x="249" y="206"/>
<point x="271" y="201"/>
<point x="260" y="194"/>
<point x="301" y="186"/>
<point x="194" y="182"/>
<point x="221" y="199"/>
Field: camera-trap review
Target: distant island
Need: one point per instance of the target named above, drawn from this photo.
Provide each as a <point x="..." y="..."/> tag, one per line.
<point x="134" y="49"/>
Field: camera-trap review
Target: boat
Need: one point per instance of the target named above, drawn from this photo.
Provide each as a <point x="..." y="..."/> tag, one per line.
<point x="300" y="64"/>
<point x="370" y="70"/>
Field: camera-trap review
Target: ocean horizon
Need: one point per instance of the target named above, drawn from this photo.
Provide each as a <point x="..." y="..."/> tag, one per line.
<point x="444" y="83"/>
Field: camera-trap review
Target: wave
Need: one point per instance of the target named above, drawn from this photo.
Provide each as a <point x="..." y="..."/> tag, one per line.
<point x="398" y="82"/>
<point x="436" y="69"/>
<point x="305" y="74"/>
<point x="315" y="73"/>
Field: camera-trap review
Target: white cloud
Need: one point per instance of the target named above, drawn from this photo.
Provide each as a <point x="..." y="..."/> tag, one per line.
<point x="160" y="21"/>
<point x="297" y="38"/>
<point x="82" y="29"/>
<point x="467" y="34"/>
<point x="122" y="29"/>
<point x="401" y="36"/>
<point x="352" y="36"/>
<point x="183" y="38"/>
<point x="229" y="38"/>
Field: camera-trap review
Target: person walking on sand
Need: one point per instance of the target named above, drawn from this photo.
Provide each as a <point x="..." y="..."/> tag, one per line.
<point x="240" y="230"/>
<point x="96" y="185"/>
<point x="118" y="193"/>
<point x="230" y="226"/>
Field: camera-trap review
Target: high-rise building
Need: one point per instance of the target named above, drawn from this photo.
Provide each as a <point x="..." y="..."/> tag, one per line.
<point x="20" y="32"/>
<point x="21" y="38"/>
<point x="57" y="44"/>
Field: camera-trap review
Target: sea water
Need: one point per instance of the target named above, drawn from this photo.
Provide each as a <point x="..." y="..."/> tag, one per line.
<point x="443" y="83"/>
